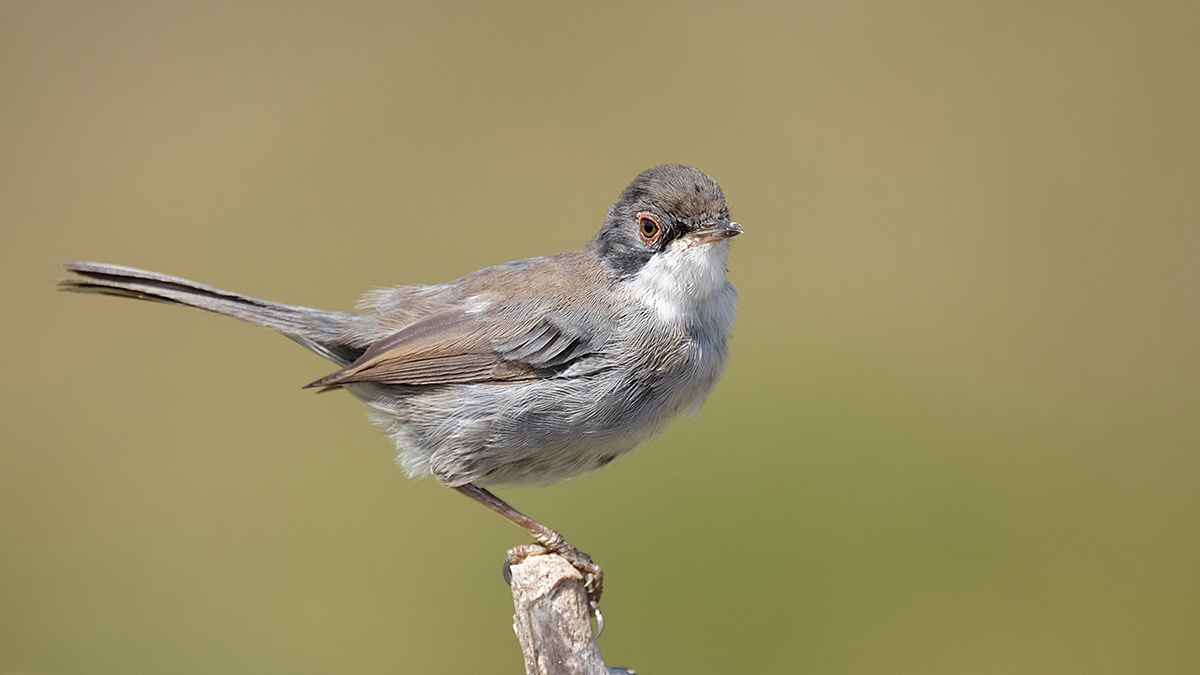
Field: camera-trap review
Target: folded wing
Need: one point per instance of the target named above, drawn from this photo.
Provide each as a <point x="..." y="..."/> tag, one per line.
<point x="460" y="347"/>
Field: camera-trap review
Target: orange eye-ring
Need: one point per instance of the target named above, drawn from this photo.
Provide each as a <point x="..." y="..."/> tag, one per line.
<point x="649" y="228"/>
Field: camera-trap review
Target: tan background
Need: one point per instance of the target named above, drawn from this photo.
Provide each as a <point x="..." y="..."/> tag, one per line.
<point x="961" y="429"/>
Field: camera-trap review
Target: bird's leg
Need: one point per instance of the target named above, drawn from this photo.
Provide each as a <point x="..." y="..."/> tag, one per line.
<point x="549" y="539"/>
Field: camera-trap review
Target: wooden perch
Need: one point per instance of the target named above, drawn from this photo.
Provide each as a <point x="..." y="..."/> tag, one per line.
<point x="552" y="620"/>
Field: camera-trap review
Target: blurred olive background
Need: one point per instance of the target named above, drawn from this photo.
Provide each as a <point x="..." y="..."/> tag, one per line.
<point x="960" y="432"/>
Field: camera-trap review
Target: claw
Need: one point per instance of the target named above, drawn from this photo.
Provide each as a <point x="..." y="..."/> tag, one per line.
<point x="595" y="609"/>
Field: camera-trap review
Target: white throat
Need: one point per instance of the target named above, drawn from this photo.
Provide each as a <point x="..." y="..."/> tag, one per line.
<point x="685" y="284"/>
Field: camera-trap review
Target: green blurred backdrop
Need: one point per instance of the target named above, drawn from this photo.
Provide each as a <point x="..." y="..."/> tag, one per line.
<point x="960" y="432"/>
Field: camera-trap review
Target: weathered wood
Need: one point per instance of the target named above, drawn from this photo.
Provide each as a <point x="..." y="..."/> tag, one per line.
<point x="552" y="620"/>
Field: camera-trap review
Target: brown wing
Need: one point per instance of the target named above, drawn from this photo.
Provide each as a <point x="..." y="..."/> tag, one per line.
<point x="458" y="348"/>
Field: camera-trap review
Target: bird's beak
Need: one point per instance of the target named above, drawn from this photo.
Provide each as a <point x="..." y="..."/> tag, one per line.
<point x="713" y="232"/>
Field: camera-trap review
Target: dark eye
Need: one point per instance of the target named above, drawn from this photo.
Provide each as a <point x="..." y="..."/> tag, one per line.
<point x="649" y="229"/>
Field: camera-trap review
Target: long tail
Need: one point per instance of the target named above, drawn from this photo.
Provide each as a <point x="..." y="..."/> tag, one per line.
<point x="323" y="332"/>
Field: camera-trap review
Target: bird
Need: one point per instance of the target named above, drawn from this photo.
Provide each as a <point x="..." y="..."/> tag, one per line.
<point x="527" y="372"/>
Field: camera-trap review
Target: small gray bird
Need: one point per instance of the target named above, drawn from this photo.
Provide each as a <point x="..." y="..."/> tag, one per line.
<point x="532" y="371"/>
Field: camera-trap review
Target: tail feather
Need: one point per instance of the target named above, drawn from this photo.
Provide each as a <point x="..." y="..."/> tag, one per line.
<point x="321" y="331"/>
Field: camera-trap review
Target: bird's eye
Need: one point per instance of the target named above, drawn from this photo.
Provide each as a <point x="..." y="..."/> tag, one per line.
<point x="649" y="229"/>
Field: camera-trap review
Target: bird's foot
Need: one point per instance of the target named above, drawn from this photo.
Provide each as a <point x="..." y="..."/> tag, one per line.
<point x="593" y="576"/>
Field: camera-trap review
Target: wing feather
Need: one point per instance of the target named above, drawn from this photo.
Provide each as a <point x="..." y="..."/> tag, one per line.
<point x="459" y="347"/>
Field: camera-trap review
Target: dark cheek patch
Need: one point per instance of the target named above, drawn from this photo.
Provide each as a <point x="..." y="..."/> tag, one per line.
<point x="625" y="258"/>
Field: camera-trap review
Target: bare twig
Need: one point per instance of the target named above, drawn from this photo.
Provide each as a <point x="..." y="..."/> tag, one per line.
<point x="551" y="618"/>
